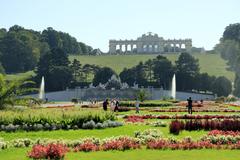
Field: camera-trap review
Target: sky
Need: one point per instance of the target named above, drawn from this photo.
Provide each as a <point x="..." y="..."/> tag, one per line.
<point x="94" y="22"/>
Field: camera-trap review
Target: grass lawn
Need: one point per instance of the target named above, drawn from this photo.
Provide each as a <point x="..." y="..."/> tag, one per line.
<point x="127" y="129"/>
<point x="19" y="75"/>
<point x="141" y="154"/>
<point x="118" y="62"/>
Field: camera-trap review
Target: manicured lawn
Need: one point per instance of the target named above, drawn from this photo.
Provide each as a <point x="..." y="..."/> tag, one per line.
<point x="102" y="133"/>
<point x="141" y="154"/>
<point x="158" y="155"/>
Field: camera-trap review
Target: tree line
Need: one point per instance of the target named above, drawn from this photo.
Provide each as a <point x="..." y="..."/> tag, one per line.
<point x="21" y="49"/>
<point x="60" y="73"/>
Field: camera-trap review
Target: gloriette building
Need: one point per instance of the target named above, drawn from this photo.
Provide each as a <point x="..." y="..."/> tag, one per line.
<point x="150" y="43"/>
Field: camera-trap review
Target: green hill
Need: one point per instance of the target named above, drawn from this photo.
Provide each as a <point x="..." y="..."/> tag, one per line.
<point x="213" y="64"/>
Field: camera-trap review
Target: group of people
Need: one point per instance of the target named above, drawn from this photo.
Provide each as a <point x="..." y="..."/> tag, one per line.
<point x="114" y="105"/>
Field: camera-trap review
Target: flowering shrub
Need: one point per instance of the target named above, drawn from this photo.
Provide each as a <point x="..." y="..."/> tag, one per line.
<point x="87" y="146"/>
<point x="187" y="116"/>
<point x="120" y="143"/>
<point x="158" y="124"/>
<point x="195" y="110"/>
<point x="226" y="125"/>
<point x="225" y="133"/>
<point x="176" y="126"/>
<point x="148" y="135"/>
<point x="134" y="119"/>
<point x="51" y="151"/>
<point x="3" y="144"/>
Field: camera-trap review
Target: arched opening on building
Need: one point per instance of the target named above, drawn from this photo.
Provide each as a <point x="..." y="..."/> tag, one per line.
<point x="183" y="47"/>
<point x="129" y="48"/>
<point x="150" y="48"/>
<point x="123" y="48"/>
<point x="177" y="48"/>
<point x="118" y="48"/>
<point x="134" y="49"/>
<point x="156" y="48"/>
<point x="144" y="48"/>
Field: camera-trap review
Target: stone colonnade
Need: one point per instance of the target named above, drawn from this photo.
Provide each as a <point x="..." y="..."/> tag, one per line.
<point x="150" y="44"/>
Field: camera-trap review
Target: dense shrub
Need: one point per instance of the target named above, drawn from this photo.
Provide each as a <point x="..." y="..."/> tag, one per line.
<point x="37" y="127"/>
<point x="51" y="151"/>
<point x="225" y="125"/>
<point x="187" y="116"/>
<point x="175" y="127"/>
<point x="52" y="119"/>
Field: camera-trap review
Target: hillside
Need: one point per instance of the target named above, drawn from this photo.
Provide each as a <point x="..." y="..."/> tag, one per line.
<point x="213" y="64"/>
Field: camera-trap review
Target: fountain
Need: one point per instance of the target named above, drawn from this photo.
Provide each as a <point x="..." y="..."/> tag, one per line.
<point x="173" y="94"/>
<point x="42" y="89"/>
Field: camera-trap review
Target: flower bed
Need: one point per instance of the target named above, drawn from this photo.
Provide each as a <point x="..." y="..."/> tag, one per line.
<point x="187" y="116"/>
<point x="226" y="125"/>
<point x="224" y="133"/>
<point x="195" y="110"/>
<point x="52" y="119"/>
<point x="189" y="145"/>
<point x="56" y="126"/>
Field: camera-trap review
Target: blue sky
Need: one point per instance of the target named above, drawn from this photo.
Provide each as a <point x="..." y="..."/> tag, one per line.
<point x="96" y="21"/>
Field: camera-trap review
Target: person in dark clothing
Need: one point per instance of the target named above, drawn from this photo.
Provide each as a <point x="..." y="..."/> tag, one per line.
<point x="116" y="105"/>
<point x="189" y="106"/>
<point x="105" y="103"/>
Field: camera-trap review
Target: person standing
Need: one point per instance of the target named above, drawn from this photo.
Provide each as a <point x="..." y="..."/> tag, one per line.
<point x="116" y="105"/>
<point x="137" y="103"/>
<point x="189" y="106"/>
<point x="105" y="104"/>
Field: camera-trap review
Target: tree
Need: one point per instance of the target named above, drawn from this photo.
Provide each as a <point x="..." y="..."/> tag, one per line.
<point x="204" y="82"/>
<point x="10" y="92"/>
<point x="229" y="48"/>
<point x="128" y="76"/>
<point x="140" y="75"/>
<point x="54" y="66"/>
<point x="187" y="69"/>
<point x="16" y="56"/>
<point x="1" y="69"/>
<point x="103" y="75"/>
<point x="222" y="86"/>
<point x="76" y="69"/>
<point x="149" y="69"/>
<point x="163" y="71"/>
<point x="59" y="78"/>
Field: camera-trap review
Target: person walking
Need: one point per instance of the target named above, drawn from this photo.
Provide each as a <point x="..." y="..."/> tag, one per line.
<point x="137" y="103"/>
<point x="105" y="104"/>
<point x="189" y="106"/>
